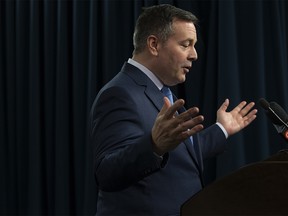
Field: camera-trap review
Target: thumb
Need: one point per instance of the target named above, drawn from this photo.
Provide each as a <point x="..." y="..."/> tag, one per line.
<point x="224" y="105"/>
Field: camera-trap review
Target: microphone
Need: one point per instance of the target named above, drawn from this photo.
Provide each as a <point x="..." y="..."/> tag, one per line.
<point x="277" y="115"/>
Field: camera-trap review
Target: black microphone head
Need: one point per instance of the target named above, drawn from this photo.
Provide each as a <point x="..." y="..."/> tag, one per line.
<point x="264" y="104"/>
<point x="279" y="111"/>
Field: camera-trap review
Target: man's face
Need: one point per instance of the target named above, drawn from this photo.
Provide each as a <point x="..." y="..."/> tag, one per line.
<point x="175" y="56"/>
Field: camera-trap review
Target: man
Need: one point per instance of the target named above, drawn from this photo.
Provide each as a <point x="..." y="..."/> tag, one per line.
<point x="148" y="150"/>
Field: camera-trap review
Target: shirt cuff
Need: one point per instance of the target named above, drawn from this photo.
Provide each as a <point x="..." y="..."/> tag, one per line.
<point x="223" y="129"/>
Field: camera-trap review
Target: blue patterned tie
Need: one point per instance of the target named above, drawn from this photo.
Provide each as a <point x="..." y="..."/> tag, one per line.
<point x="167" y="92"/>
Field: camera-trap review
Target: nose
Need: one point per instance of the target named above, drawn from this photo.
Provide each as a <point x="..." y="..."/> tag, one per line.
<point x="193" y="56"/>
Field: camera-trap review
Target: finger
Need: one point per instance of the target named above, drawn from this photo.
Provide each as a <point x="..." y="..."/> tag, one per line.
<point x="251" y="115"/>
<point x="187" y="133"/>
<point x="170" y="112"/>
<point x="249" y="120"/>
<point x="240" y="106"/>
<point x="165" y="106"/>
<point x="188" y="114"/>
<point x="187" y="126"/>
<point x="247" y="108"/>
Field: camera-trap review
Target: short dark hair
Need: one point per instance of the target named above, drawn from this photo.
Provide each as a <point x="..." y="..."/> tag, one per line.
<point x="157" y="20"/>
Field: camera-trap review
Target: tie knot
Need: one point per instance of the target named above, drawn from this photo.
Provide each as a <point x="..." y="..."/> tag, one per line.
<point x="167" y="92"/>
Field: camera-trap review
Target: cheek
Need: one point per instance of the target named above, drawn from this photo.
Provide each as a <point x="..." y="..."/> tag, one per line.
<point x="174" y="61"/>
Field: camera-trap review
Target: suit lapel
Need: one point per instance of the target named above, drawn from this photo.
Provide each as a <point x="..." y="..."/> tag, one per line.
<point x="151" y="90"/>
<point x="156" y="97"/>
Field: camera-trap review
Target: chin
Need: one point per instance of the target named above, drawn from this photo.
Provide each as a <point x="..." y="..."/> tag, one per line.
<point x="178" y="80"/>
<point x="182" y="80"/>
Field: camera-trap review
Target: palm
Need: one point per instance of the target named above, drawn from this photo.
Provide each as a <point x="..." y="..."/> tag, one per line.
<point x="238" y="118"/>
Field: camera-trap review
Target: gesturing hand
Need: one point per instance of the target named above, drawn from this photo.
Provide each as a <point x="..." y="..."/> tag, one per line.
<point x="170" y="129"/>
<point x="237" y="119"/>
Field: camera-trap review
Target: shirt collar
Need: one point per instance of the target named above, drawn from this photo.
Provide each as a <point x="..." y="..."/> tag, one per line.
<point x="148" y="73"/>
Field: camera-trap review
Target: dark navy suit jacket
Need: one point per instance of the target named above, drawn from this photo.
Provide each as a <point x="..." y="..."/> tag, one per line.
<point x="132" y="180"/>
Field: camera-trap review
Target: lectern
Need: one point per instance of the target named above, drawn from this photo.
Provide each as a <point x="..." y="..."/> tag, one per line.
<point x="256" y="189"/>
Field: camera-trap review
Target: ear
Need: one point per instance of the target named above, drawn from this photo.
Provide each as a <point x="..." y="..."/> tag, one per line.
<point x="152" y="44"/>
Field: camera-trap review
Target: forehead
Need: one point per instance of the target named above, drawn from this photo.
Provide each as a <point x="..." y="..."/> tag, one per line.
<point x="183" y="28"/>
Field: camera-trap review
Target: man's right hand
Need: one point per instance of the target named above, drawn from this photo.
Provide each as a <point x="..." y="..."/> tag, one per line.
<point x="171" y="128"/>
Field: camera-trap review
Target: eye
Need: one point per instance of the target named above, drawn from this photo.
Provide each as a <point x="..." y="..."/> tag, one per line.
<point x="185" y="45"/>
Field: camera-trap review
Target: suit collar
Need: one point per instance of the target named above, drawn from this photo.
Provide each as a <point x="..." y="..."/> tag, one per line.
<point x="141" y="79"/>
<point x="148" y="73"/>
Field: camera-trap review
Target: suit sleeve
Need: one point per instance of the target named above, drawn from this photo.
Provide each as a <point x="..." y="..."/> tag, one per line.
<point x="212" y="141"/>
<point x="122" y="145"/>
